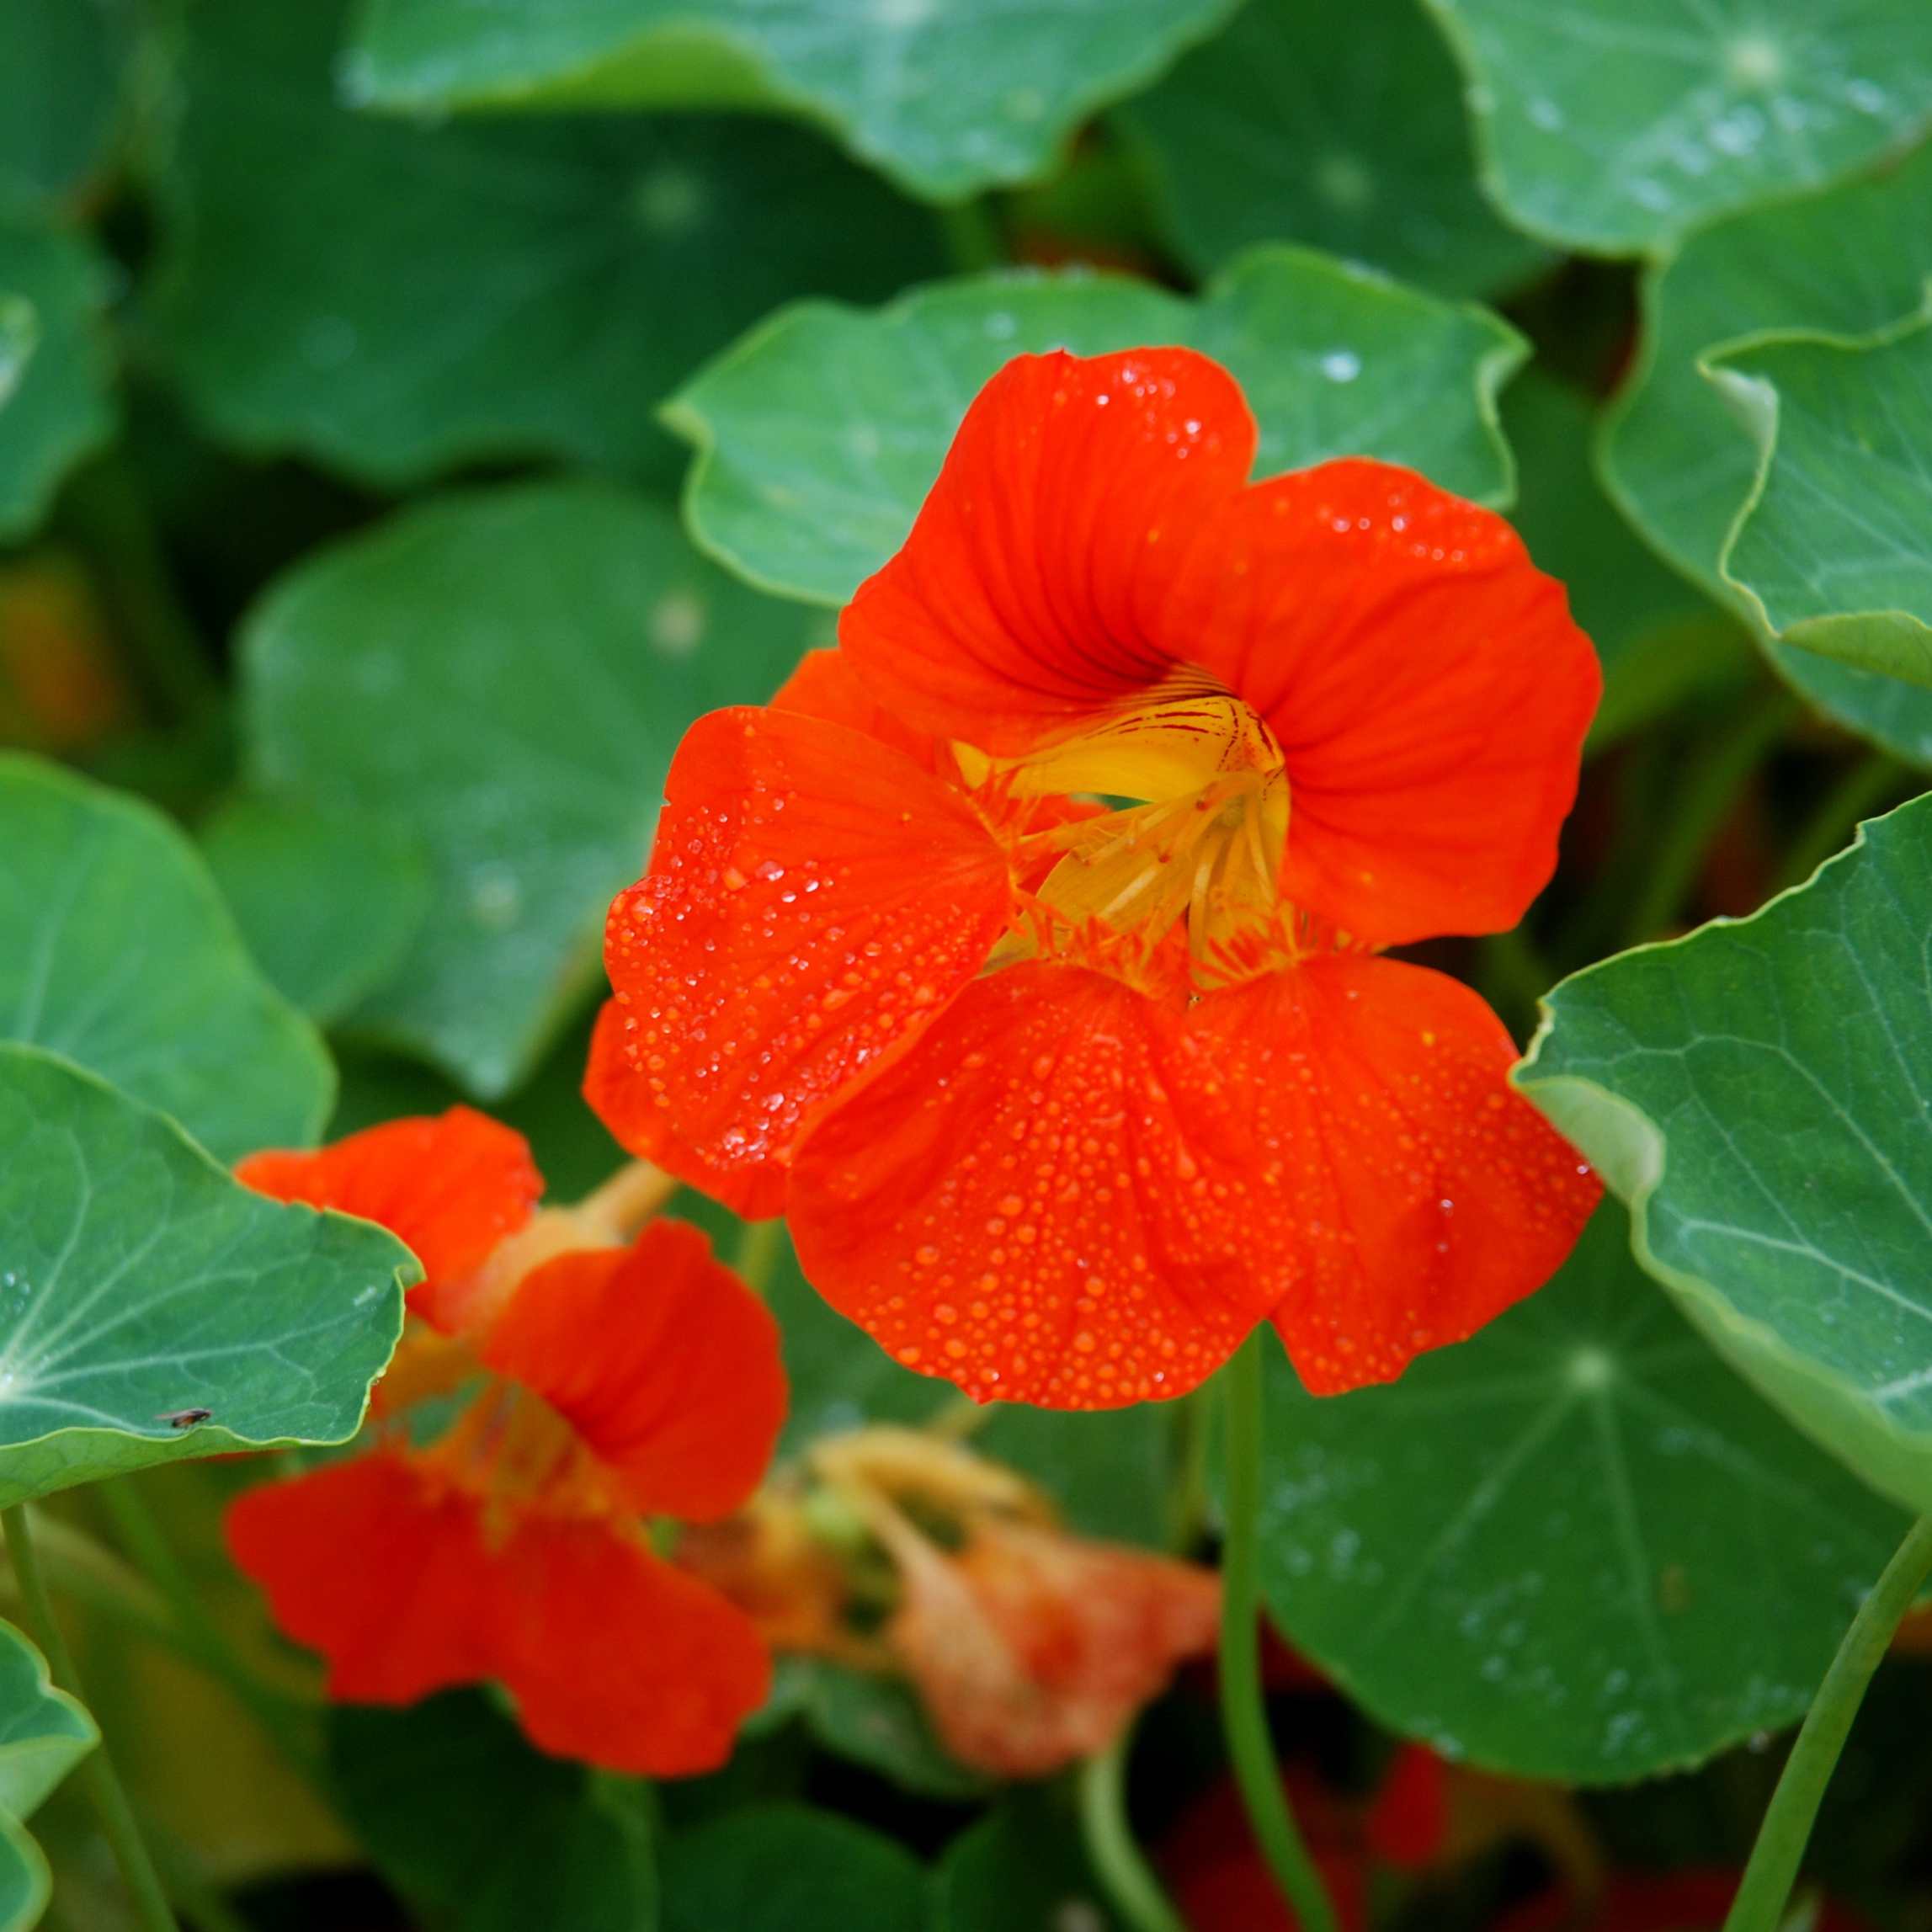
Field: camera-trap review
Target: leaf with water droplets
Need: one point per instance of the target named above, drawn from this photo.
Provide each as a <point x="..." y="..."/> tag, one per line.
<point x="57" y="409"/>
<point x="1679" y="461"/>
<point x="412" y="296"/>
<point x="1617" y="125"/>
<point x="152" y="1308"/>
<point x="1575" y="1546"/>
<point x="521" y="738"/>
<point x="947" y="97"/>
<point x="1282" y="129"/>
<point x="1835" y="547"/>
<point x="44" y="1733"/>
<point x="116" y="951"/>
<point x="1334" y="360"/>
<point x="1760" y="1093"/>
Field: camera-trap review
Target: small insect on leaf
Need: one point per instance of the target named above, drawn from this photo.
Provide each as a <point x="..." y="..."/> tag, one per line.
<point x="184" y="1417"/>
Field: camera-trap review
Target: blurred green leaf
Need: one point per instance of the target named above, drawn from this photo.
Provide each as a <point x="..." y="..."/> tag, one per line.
<point x="328" y="902"/>
<point x="873" y="1721"/>
<point x="783" y="1868"/>
<point x="945" y="96"/>
<point x="1616" y="126"/>
<point x="1575" y="1546"/>
<point x="60" y="81"/>
<point x="1347" y="134"/>
<point x="44" y="1733"/>
<point x="116" y="951"/>
<point x="485" y="1834"/>
<point x="19" y="331"/>
<point x="1660" y="639"/>
<point x="1676" y="458"/>
<point x="1757" y="1093"/>
<point x="141" y="1283"/>
<point x="1107" y="1472"/>
<point x="1021" y="1868"/>
<point x="393" y="298"/>
<point x="503" y="675"/>
<point x="1833" y="547"/>
<point x="1334" y="360"/>
<point x="59" y="409"/>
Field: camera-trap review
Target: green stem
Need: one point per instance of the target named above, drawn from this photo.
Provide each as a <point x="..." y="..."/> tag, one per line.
<point x="973" y="239"/>
<point x="1759" y="1905"/>
<point x="110" y="1800"/>
<point x="757" y="1253"/>
<point x="1699" y="812"/>
<point x="1244" y="1715"/>
<point x="1856" y="795"/>
<point x="142" y="1539"/>
<point x="1125" y="1875"/>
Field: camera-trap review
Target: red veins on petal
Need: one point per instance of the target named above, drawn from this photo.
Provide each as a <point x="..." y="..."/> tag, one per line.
<point x="614" y="1657"/>
<point x="1052" y="1199"/>
<point x="1429" y="1195"/>
<point x="450" y="1187"/>
<point x="1424" y="680"/>
<point x="1074" y="1195"/>
<point x="814" y="900"/>
<point x="663" y="1361"/>
<point x="1029" y="593"/>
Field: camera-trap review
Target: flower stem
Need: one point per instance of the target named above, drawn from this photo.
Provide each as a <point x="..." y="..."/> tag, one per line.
<point x="1773" y="1870"/>
<point x="756" y="1253"/>
<point x="1244" y="1715"/>
<point x="110" y="1800"/>
<point x="972" y="237"/>
<point x="1130" y="1884"/>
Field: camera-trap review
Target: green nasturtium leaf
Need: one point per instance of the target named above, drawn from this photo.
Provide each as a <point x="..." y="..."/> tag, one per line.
<point x="1833" y="548"/>
<point x="329" y="903"/>
<point x="19" y="331"/>
<point x="871" y="1720"/>
<point x="1758" y="1092"/>
<point x="784" y="1868"/>
<point x="44" y="1733"/>
<point x="1576" y="1546"/>
<point x="116" y="951"/>
<point x="1675" y="456"/>
<point x="60" y="81"/>
<point x="58" y="411"/>
<point x="141" y="1285"/>
<point x="1616" y="126"/>
<point x="1021" y="1868"/>
<point x="1351" y="138"/>
<point x="945" y="96"/>
<point x="1335" y="361"/>
<point x="521" y="733"/>
<point x="477" y="1827"/>
<point x="1658" y="637"/>
<point x="393" y="298"/>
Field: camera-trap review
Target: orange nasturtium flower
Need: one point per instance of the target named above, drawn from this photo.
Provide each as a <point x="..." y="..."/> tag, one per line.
<point x="1023" y="952"/>
<point x="596" y="1383"/>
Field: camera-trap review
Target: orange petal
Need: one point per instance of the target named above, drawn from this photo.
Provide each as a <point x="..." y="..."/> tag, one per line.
<point x="1424" y="681"/>
<point x="1032" y="1648"/>
<point x="615" y="1657"/>
<point x="825" y="685"/>
<point x="375" y="1563"/>
<point x="1429" y="1195"/>
<point x="663" y="1361"/>
<point x="814" y="900"/>
<point x="1027" y="597"/>
<point x="451" y="1186"/>
<point x="1057" y="1198"/>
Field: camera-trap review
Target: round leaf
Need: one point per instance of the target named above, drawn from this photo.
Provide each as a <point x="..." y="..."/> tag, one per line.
<point x="1616" y="126"/>
<point x="1021" y="1868"/>
<point x="115" y="950"/>
<point x="1283" y="128"/>
<point x="44" y="1733"/>
<point x="783" y="1868"/>
<point x="154" y="1308"/>
<point x="521" y="738"/>
<point x="1335" y="361"/>
<point x="1576" y="1546"/>
<point x="1758" y="1092"/>
<point x="58" y="81"/>
<point x="946" y="96"/>
<point x="393" y="298"/>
